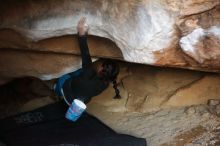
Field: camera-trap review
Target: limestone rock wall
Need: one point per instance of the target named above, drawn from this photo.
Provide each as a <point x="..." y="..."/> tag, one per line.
<point x="176" y="33"/>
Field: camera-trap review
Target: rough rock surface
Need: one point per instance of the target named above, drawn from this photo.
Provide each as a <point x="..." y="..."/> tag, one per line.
<point x="46" y="59"/>
<point x="165" y="106"/>
<point x="168" y="127"/>
<point x="147" y="89"/>
<point x="175" y="33"/>
<point x="144" y="89"/>
<point x="201" y="40"/>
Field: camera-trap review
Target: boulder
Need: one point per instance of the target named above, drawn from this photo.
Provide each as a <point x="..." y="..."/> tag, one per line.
<point x="147" y="89"/>
<point x="47" y="60"/>
<point x="144" y="89"/>
<point x="156" y="32"/>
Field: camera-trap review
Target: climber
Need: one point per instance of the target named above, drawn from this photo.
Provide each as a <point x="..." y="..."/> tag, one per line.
<point x="87" y="82"/>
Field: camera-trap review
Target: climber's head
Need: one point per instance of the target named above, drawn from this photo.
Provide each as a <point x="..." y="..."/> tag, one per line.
<point x="109" y="72"/>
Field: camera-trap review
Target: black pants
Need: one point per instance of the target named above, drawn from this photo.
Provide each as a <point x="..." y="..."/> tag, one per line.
<point x="48" y="127"/>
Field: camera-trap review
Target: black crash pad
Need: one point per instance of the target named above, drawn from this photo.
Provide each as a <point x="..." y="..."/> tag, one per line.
<point x="47" y="126"/>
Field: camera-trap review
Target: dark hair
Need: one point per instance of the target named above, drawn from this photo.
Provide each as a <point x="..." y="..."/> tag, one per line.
<point x="110" y="72"/>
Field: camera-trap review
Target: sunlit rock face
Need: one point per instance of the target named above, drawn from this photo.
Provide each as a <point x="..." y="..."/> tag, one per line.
<point x="174" y="33"/>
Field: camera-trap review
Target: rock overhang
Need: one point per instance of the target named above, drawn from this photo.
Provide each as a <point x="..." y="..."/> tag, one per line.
<point x="146" y="31"/>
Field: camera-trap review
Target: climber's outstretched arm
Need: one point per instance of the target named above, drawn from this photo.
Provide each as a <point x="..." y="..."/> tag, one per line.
<point x="82" y="28"/>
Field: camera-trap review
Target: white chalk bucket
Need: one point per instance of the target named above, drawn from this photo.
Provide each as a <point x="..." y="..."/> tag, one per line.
<point x="75" y="110"/>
